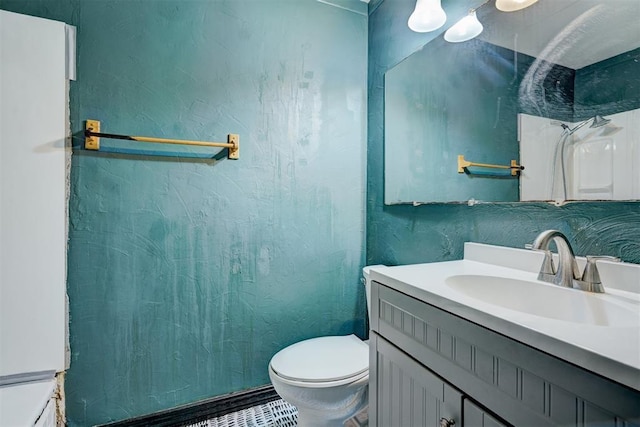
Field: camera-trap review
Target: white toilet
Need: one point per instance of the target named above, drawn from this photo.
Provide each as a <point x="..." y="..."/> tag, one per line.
<point x="326" y="378"/>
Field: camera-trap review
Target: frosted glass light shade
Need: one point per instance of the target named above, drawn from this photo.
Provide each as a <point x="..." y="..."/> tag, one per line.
<point x="427" y="16"/>
<point x="513" y="5"/>
<point x="465" y="29"/>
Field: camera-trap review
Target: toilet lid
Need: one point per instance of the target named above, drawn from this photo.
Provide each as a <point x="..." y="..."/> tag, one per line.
<point x="322" y="359"/>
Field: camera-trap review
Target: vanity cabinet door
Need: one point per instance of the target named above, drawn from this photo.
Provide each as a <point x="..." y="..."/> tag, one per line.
<point x="404" y="393"/>
<point x="476" y="416"/>
<point x="522" y="385"/>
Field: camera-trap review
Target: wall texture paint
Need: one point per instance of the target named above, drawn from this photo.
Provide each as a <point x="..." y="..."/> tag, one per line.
<point x="608" y="87"/>
<point x="186" y="276"/>
<point x="407" y="234"/>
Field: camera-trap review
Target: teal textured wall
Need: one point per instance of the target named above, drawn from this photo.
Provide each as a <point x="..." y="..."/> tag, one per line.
<point x="406" y="234"/>
<point x="608" y="87"/>
<point x="186" y="276"/>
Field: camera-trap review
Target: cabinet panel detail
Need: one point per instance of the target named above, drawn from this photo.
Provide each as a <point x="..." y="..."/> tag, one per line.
<point x="521" y="384"/>
<point x="475" y="416"/>
<point x="407" y="393"/>
<point x="534" y="392"/>
<point x="463" y="353"/>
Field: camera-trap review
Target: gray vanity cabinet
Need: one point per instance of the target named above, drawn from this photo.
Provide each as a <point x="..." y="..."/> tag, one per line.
<point x="408" y="394"/>
<point x="427" y="364"/>
<point x="477" y="416"/>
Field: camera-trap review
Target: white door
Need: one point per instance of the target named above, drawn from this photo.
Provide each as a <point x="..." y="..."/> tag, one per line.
<point x="33" y="111"/>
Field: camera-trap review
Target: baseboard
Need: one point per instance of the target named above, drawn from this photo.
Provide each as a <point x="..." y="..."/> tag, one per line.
<point x="203" y="410"/>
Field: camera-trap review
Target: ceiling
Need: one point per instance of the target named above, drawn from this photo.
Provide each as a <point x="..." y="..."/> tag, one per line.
<point x="572" y="33"/>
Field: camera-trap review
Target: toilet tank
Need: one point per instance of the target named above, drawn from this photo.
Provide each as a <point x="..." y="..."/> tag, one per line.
<point x="366" y="279"/>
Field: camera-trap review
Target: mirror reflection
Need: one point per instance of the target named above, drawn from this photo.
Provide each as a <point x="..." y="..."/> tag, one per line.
<point x="553" y="88"/>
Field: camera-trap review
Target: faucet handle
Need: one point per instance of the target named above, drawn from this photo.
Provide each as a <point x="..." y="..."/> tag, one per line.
<point x="547" y="269"/>
<point x="590" y="277"/>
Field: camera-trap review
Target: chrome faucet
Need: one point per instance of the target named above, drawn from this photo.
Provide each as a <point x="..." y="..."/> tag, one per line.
<point x="567" y="274"/>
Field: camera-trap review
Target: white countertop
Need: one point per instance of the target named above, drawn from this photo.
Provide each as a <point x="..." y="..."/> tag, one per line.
<point x="613" y="352"/>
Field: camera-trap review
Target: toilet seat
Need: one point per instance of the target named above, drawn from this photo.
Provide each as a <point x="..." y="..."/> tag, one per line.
<point x="323" y="362"/>
<point x="362" y="378"/>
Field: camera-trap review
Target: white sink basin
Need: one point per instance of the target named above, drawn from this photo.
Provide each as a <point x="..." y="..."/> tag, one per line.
<point x="546" y="300"/>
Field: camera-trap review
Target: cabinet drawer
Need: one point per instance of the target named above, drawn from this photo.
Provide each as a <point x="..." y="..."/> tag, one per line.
<point x="519" y="383"/>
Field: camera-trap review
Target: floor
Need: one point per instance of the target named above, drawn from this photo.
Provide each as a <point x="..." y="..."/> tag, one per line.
<point x="273" y="414"/>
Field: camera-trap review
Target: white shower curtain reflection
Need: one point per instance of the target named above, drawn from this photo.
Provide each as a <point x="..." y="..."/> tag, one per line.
<point x="578" y="162"/>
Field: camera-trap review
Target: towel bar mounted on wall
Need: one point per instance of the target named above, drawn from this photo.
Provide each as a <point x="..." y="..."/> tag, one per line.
<point x="92" y="136"/>
<point x="464" y="164"/>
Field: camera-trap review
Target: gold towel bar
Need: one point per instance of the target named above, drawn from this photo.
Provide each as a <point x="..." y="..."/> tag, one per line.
<point x="463" y="164"/>
<point x="92" y="136"/>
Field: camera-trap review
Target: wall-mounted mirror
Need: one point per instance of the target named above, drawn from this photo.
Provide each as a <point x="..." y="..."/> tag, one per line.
<point x="523" y="93"/>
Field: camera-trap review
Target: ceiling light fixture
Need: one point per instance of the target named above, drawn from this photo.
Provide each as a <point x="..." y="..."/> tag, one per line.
<point x="465" y="29"/>
<point x="513" y="5"/>
<point x="427" y="16"/>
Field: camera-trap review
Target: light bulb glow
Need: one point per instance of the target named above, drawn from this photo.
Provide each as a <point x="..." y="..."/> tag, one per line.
<point x="465" y="29"/>
<point x="427" y="16"/>
<point x="513" y="5"/>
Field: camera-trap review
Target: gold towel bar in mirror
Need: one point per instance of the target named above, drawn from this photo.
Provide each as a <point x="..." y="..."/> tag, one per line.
<point x="92" y="136"/>
<point x="463" y="164"/>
